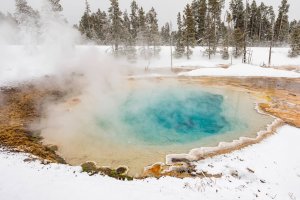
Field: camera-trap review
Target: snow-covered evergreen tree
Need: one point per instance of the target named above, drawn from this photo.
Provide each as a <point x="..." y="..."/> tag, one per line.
<point x="85" y="24"/>
<point x="179" y="49"/>
<point x="165" y="34"/>
<point x="142" y="33"/>
<point x="266" y="26"/>
<point x="282" y="23"/>
<point x="210" y="36"/>
<point x="152" y="32"/>
<point x="225" y="34"/>
<point x="295" y="40"/>
<point x="196" y="14"/>
<point x="237" y="13"/>
<point x="199" y="8"/>
<point x="253" y="18"/>
<point x="128" y="41"/>
<point x="25" y="14"/>
<point x="189" y="30"/>
<point x="214" y="9"/>
<point x="115" y="16"/>
<point x="55" y="5"/>
<point x="28" y="21"/>
<point x="293" y="24"/>
<point x="134" y="20"/>
<point x="100" y="26"/>
<point x="201" y="21"/>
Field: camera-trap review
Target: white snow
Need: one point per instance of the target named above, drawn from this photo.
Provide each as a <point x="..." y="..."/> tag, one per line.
<point x="21" y="63"/>
<point x="259" y="57"/>
<point x="275" y="162"/>
<point x="242" y="70"/>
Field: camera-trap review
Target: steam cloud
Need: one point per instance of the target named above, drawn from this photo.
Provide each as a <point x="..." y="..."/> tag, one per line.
<point x="32" y="50"/>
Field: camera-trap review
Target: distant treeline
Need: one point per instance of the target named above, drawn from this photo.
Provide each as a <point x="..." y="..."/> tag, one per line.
<point x="202" y="23"/>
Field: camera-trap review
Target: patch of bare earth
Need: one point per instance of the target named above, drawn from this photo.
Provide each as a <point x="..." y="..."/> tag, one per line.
<point x="19" y="107"/>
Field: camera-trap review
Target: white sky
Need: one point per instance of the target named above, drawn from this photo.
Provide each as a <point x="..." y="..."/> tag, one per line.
<point x="167" y="9"/>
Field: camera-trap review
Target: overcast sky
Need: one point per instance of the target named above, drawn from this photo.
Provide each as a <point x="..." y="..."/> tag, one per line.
<point x="166" y="9"/>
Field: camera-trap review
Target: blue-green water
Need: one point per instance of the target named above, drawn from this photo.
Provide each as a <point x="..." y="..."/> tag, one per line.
<point x="170" y="116"/>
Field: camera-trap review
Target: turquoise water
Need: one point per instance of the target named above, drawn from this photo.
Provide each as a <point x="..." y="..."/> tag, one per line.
<point x="171" y="116"/>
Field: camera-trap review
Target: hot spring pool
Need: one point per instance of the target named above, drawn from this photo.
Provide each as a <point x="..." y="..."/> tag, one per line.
<point x="171" y="116"/>
<point x="141" y="125"/>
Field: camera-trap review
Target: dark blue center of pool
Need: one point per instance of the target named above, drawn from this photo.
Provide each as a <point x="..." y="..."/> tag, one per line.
<point x="172" y="116"/>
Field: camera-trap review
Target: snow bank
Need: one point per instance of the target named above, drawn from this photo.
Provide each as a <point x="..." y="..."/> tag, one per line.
<point x="259" y="57"/>
<point x="21" y="63"/>
<point x="273" y="173"/>
<point x="242" y="70"/>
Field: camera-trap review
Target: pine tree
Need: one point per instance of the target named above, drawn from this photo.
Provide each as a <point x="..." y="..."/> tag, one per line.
<point x="266" y="22"/>
<point x="152" y="31"/>
<point x="142" y="32"/>
<point x="115" y="16"/>
<point x="214" y="9"/>
<point x="25" y="14"/>
<point x="201" y="20"/>
<point x="293" y="24"/>
<point x="210" y="36"/>
<point x="179" y="49"/>
<point x="134" y="19"/>
<point x="237" y="13"/>
<point x="127" y="38"/>
<point x="195" y="6"/>
<point x="189" y="30"/>
<point x="85" y="25"/>
<point x="295" y="40"/>
<point x="100" y="26"/>
<point x="165" y="34"/>
<point x="252" y="26"/>
<point x="225" y="41"/>
<point x="229" y="21"/>
<point x="260" y="25"/>
<point x="55" y="5"/>
<point x="282" y="22"/>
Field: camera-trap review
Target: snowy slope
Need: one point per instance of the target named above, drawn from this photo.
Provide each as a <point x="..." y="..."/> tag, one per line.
<point x="275" y="162"/>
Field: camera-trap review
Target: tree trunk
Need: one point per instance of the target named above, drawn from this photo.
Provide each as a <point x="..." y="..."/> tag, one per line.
<point x="188" y="52"/>
<point x="209" y="50"/>
<point x="270" y="50"/>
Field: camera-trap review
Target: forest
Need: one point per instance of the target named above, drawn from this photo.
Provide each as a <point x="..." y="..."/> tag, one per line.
<point x="202" y="23"/>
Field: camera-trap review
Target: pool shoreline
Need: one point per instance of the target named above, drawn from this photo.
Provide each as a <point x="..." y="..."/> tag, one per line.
<point x="235" y="145"/>
<point x="176" y="163"/>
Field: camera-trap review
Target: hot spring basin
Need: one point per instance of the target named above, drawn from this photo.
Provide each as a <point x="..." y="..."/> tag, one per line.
<point x="141" y="125"/>
<point x="172" y="116"/>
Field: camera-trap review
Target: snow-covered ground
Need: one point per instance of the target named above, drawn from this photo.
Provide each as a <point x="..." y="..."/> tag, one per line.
<point x="259" y="57"/>
<point x="242" y="70"/>
<point x="268" y="170"/>
<point x="26" y="62"/>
